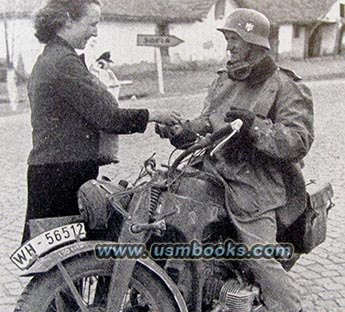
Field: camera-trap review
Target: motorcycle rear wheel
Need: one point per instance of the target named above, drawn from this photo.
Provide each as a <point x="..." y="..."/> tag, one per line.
<point x="49" y="291"/>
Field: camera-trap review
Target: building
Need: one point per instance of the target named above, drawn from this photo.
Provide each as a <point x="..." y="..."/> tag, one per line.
<point x="303" y="28"/>
<point x="300" y="28"/>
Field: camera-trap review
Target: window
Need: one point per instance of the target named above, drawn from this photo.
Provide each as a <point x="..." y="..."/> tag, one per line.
<point x="296" y="31"/>
<point x="342" y="10"/>
<point x="219" y="11"/>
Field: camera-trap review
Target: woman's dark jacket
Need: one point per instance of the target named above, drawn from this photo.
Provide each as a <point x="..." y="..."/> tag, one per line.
<point x="69" y="108"/>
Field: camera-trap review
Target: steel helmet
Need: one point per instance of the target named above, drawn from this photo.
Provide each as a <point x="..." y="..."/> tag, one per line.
<point x="251" y="25"/>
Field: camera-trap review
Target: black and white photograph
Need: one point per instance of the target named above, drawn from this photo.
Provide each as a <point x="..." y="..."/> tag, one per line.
<point x="172" y="155"/>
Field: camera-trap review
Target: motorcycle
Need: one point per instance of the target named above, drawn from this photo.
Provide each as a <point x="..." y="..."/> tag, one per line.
<point x="179" y="208"/>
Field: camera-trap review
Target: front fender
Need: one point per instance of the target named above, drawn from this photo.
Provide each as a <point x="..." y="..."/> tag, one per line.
<point x="46" y="263"/>
<point x="50" y="260"/>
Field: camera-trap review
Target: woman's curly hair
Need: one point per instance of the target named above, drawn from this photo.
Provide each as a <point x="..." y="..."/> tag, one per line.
<point x="53" y="16"/>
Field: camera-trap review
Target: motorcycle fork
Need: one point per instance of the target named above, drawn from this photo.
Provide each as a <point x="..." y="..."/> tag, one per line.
<point x="123" y="269"/>
<point x="72" y="288"/>
<point x="120" y="278"/>
<point x="121" y="274"/>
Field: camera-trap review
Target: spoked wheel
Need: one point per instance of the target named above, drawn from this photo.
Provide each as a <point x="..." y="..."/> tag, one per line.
<point x="50" y="292"/>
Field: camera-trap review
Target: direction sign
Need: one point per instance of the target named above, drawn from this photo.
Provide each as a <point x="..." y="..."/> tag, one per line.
<point x="158" y="41"/>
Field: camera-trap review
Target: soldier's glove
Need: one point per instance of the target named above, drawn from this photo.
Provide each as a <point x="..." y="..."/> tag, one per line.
<point x="165" y="132"/>
<point x="183" y="138"/>
<point x="245" y="115"/>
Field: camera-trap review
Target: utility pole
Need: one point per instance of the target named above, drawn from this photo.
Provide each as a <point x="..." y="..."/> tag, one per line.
<point x="11" y="82"/>
<point x="8" y="58"/>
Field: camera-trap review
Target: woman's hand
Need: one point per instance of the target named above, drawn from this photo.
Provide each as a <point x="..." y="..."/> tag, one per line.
<point x="168" y="132"/>
<point x="165" y="117"/>
<point x="180" y="135"/>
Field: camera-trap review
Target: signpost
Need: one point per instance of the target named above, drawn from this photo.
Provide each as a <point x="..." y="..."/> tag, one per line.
<point x="158" y="42"/>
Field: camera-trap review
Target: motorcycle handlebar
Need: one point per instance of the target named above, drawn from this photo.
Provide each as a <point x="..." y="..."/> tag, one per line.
<point x="208" y="141"/>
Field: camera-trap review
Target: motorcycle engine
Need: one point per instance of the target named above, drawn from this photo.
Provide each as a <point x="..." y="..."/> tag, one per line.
<point x="239" y="298"/>
<point x="216" y="273"/>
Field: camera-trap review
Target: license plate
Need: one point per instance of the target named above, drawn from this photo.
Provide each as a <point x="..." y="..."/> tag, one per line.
<point x="27" y="254"/>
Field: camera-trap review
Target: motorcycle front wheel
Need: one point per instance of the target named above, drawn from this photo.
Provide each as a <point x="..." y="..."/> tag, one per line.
<point x="49" y="292"/>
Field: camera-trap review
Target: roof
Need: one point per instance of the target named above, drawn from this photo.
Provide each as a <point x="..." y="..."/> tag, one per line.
<point x="143" y="10"/>
<point x="163" y="11"/>
<point x="157" y="10"/>
<point x="19" y="7"/>
<point x="290" y="11"/>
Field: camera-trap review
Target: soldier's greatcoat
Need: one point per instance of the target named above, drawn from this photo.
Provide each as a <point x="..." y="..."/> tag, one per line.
<point x="258" y="167"/>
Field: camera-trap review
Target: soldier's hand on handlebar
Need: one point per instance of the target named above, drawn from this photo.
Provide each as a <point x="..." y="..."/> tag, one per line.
<point x="180" y="135"/>
<point x="245" y="115"/>
<point x="183" y="138"/>
<point x="165" y="117"/>
<point x="165" y="132"/>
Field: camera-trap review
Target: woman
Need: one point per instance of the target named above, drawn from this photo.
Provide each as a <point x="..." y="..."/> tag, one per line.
<point x="68" y="109"/>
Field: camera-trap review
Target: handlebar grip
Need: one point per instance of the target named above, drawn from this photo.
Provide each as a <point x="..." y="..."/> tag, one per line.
<point x="234" y="126"/>
<point x="221" y="133"/>
<point x="208" y="141"/>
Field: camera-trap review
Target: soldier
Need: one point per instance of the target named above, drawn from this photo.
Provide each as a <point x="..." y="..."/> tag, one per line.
<point x="277" y="132"/>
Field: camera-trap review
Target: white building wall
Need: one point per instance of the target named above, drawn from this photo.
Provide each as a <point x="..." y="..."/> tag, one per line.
<point x="21" y="41"/>
<point x="202" y="40"/>
<point x="121" y="40"/>
<point x="118" y="38"/>
<point x="285" y="39"/>
<point x="329" y="38"/>
<point x="331" y="33"/>
<point x="2" y="41"/>
<point x="299" y="44"/>
<point x="333" y="14"/>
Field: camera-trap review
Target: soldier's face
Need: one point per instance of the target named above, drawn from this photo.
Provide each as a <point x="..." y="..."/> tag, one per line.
<point x="238" y="48"/>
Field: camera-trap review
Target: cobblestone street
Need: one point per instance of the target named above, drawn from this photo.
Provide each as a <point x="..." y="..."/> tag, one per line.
<point x="320" y="274"/>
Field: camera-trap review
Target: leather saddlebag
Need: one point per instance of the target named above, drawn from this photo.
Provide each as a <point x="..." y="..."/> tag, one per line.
<point x="310" y="229"/>
<point x="319" y="203"/>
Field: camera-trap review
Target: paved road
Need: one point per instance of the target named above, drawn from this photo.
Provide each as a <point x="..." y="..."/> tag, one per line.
<point x="320" y="274"/>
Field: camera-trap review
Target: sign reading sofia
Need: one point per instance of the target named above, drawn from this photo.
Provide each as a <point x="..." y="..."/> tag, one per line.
<point x="158" y="41"/>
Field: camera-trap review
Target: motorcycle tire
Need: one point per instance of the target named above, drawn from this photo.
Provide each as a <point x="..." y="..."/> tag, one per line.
<point x="48" y="292"/>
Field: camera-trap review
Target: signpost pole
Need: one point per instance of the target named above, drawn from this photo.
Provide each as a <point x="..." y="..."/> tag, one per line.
<point x="158" y="57"/>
